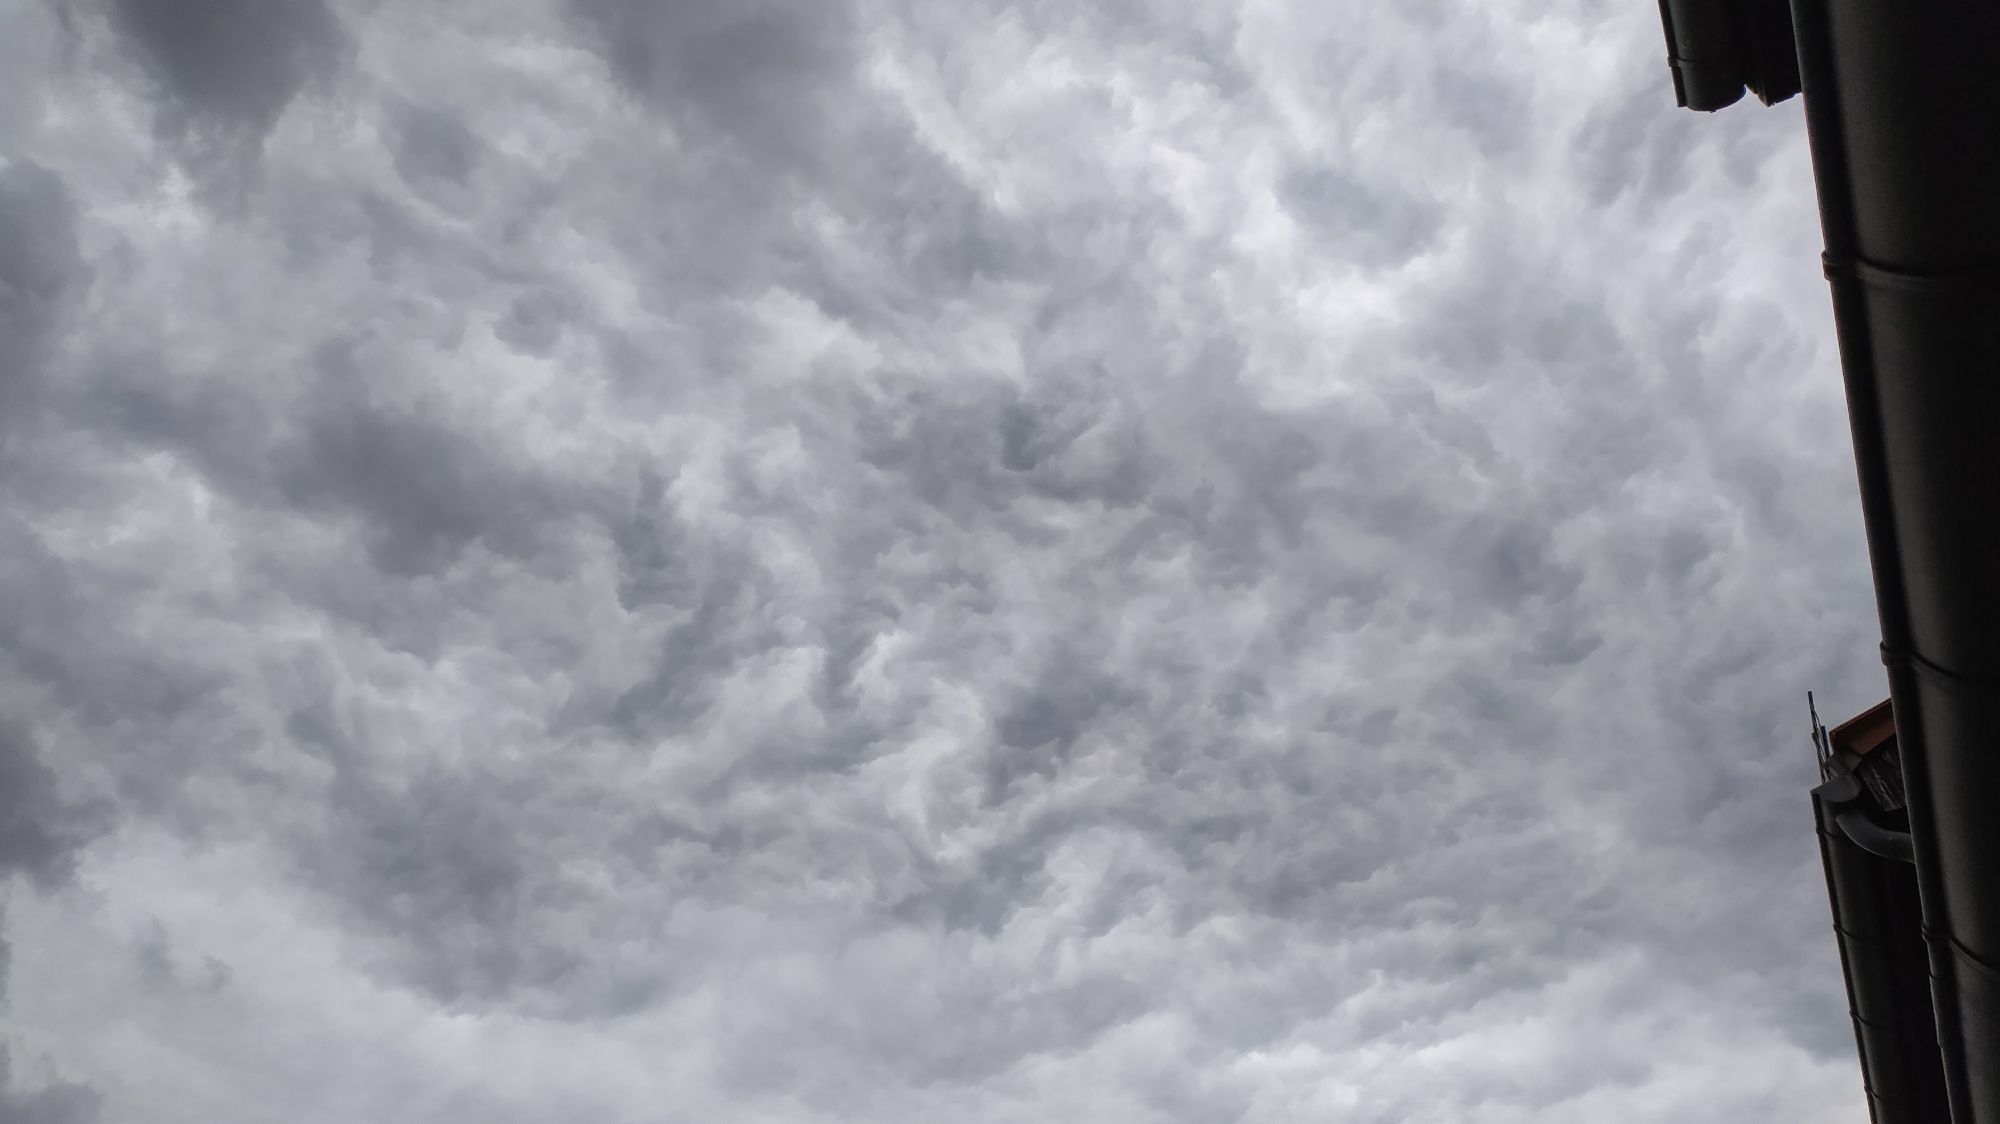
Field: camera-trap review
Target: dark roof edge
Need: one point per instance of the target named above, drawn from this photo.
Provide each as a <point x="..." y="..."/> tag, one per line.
<point x="1867" y="731"/>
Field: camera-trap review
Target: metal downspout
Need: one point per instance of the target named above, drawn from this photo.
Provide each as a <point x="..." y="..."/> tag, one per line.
<point x="1916" y="295"/>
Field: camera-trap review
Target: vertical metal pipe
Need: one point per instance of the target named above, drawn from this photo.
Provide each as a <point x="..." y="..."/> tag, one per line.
<point x="1903" y="112"/>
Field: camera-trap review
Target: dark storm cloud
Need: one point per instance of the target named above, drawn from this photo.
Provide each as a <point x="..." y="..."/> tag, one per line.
<point x="227" y="69"/>
<point x="1364" y="225"/>
<point x="41" y="275"/>
<point x="770" y="97"/>
<point x="439" y="866"/>
<point x="534" y="322"/>
<point x="1626" y="145"/>
<point x="971" y="563"/>
<point x="63" y="1102"/>
<point x="431" y="142"/>
<point x="1490" y="106"/>
<point x="164" y="966"/>
<point x="1037" y="730"/>
<point x="435" y="864"/>
<point x="767" y="77"/>
<point x="421" y="491"/>
<point x="416" y="491"/>
<point x="40" y="832"/>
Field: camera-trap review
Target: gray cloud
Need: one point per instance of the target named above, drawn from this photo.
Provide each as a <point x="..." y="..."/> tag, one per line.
<point x="891" y="562"/>
<point x="423" y="492"/>
<point x="225" y="70"/>
<point x="433" y="144"/>
<point x="163" y="965"/>
<point x="40" y="830"/>
<point x="63" y="1102"/>
<point x="764" y="77"/>
<point x="1365" y="226"/>
<point x="41" y="275"/>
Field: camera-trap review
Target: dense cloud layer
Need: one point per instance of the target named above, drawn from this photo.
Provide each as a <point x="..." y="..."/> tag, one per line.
<point x="907" y="562"/>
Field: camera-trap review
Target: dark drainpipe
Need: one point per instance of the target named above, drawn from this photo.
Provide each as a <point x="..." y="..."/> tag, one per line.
<point x="1902" y="106"/>
<point x="1903" y="111"/>
<point x="1871" y="885"/>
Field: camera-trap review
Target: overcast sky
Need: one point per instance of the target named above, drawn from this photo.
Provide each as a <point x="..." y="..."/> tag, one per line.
<point x="858" y="560"/>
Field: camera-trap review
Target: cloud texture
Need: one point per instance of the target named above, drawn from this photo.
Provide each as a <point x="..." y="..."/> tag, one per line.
<point x="1160" y="561"/>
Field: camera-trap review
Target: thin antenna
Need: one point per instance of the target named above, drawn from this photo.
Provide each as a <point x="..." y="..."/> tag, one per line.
<point x="1819" y="738"/>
